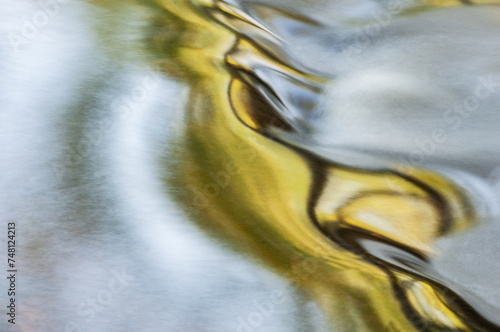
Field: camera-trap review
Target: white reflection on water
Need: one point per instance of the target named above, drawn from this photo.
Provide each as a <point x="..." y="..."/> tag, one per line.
<point x="81" y="179"/>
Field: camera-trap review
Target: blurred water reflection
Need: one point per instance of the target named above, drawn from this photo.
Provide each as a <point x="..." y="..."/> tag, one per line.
<point x="252" y="166"/>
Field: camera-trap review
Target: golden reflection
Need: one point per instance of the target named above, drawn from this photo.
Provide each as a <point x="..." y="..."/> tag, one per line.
<point x="292" y="210"/>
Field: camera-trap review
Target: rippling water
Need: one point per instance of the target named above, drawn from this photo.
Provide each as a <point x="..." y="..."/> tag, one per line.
<point x="253" y="165"/>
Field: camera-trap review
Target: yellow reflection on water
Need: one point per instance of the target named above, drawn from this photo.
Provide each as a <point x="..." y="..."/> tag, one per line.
<point x="289" y="209"/>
